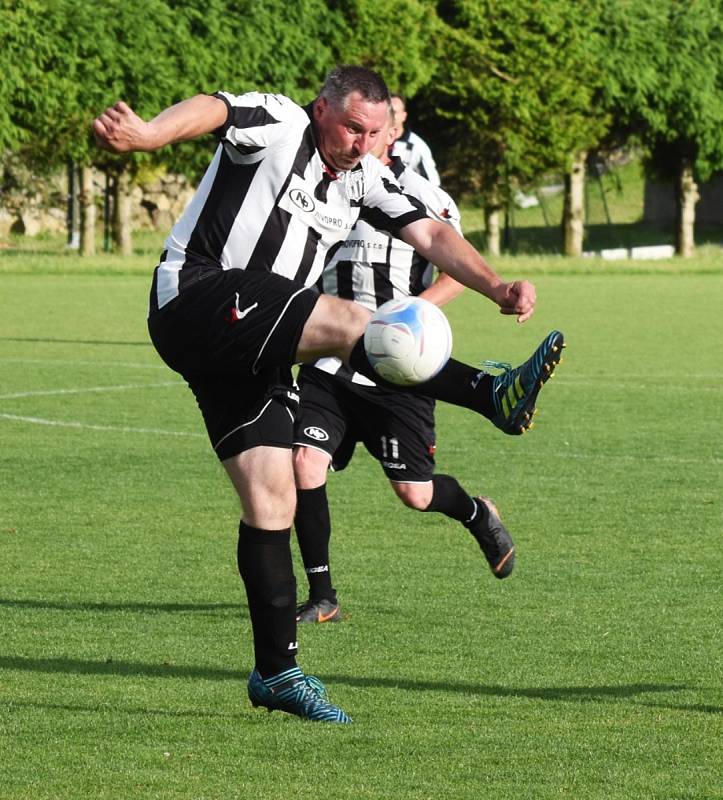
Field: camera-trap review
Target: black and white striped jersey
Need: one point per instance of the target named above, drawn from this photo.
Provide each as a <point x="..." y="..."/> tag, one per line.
<point x="269" y="202"/>
<point x="371" y="266"/>
<point x="416" y="155"/>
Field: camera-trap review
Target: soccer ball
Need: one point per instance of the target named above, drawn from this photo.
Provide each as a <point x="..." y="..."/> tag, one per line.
<point x="408" y="341"/>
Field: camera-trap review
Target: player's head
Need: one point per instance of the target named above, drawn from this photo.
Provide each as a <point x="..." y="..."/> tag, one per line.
<point x="349" y="114"/>
<point x="386" y="138"/>
<point x="400" y="113"/>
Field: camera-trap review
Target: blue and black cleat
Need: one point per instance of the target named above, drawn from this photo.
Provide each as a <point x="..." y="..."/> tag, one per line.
<point x="515" y="391"/>
<point x="295" y="693"/>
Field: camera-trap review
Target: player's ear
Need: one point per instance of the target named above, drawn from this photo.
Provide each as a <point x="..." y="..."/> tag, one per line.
<point x="320" y="106"/>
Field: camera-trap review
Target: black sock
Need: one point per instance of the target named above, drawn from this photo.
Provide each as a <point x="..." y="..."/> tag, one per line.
<point x="456" y="383"/>
<point x="479" y="515"/>
<point x="313" y="531"/>
<point x="450" y="499"/>
<point x="264" y="563"/>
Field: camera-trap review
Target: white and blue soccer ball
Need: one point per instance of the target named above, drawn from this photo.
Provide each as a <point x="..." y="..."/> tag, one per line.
<point x="408" y="341"/>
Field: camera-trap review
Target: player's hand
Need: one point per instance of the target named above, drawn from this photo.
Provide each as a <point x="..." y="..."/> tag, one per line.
<point x="120" y="130"/>
<point x="519" y="299"/>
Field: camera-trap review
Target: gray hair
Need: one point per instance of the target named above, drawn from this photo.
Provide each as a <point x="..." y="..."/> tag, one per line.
<point x="345" y="79"/>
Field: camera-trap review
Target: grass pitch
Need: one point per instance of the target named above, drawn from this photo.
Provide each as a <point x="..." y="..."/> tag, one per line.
<point x="593" y="672"/>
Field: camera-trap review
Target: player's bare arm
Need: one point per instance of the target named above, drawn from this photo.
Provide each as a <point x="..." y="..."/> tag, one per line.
<point x="455" y="256"/>
<point x="120" y="130"/>
<point x="443" y="290"/>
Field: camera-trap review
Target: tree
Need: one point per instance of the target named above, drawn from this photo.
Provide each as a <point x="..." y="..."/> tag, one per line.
<point x="663" y="82"/>
<point x="510" y="98"/>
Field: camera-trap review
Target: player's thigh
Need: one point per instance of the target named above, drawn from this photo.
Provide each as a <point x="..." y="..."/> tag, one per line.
<point x="264" y="480"/>
<point x="332" y="329"/>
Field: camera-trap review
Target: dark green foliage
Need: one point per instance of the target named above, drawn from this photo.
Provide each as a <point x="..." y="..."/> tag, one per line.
<point x="512" y="92"/>
<point x="663" y="80"/>
<point x="504" y="90"/>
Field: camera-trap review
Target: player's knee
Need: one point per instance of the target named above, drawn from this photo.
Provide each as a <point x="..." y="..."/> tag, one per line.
<point x="310" y="467"/>
<point x="416" y="496"/>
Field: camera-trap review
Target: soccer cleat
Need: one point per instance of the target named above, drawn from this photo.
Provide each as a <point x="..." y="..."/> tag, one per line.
<point x="515" y="391"/>
<point x="318" y="611"/>
<point x="493" y="538"/>
<point x="295" y="693"/>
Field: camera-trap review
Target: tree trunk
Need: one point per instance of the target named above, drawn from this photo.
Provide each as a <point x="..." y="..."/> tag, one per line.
<point x="87" y="212"/>
<point x="122" y="232"/>
<point x="493" y="212"/>
<point x="687" y="197"/>
<point x="573" y="219"/>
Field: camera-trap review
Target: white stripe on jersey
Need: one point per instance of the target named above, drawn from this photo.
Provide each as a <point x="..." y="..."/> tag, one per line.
<point x="268" y="202"/>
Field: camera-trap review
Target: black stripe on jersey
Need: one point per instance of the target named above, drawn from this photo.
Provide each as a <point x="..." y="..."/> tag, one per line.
<point x="250" y="117"/>
<point x="330" y="253"/>
<point x="213" y="227"/>
<point x="397" y="166"/>
<point x="244" y="149"/>
<point x="393" y="225"/>
<point x="322" y="188"/>
<point x="378" y="219"/>
<point x="307" y="260"/>
<point x="344" y="280"/>
<point x="416" y="276"/>
<point x="274" y="232"/>
<point x="383" y="289"/>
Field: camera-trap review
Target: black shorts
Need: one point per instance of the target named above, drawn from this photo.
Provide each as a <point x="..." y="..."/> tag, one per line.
<point x="396" y="428"/>
<point x="233" y="336"/>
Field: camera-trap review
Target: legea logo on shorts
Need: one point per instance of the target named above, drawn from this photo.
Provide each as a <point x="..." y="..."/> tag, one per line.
<point x="302" y="200"/>
<point x="316" y="433"/>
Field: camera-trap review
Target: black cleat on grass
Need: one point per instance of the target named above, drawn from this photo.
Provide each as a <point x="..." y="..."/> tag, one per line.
<point x="493" y="538"/>
<point x="318" y="611"/>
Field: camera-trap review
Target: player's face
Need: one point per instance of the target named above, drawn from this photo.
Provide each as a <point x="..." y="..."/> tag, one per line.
<point x="346" y="134"/>
<point x="400" y="114"/>
<point x="387" y="137"/>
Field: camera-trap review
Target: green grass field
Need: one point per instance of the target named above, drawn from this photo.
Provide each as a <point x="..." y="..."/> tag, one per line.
<point x="593" y="672"/>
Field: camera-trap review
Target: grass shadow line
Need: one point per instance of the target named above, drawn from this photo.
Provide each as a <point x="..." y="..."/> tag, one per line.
<point x="154" y="608"/>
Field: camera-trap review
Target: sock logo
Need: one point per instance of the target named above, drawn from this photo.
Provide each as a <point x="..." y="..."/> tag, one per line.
<point x="293" y="646"/>
<point x="314" y="570"/>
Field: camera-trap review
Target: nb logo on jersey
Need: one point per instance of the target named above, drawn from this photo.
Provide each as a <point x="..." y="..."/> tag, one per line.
<point x="302" y="200"/>
<point x="316" y="433"/>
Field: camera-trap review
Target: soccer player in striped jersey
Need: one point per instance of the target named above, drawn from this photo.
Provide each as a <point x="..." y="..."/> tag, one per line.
<point x="340" y="407"/>
<point x="232" y="307"/>
<point x="410" y="147"/>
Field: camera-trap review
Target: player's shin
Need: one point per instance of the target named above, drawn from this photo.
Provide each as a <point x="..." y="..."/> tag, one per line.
<point x="450" y="499"/>
<point x="265" y="566"/>
<point x="456" y="383"/>
<point x="313" y="532"/>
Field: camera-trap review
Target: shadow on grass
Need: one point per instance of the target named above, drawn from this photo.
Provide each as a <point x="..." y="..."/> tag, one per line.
<point x="576" y="694"/>
<point x="76" y="708"/>
<point x="144" y="608"/>
<point x="72" y="341"/>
